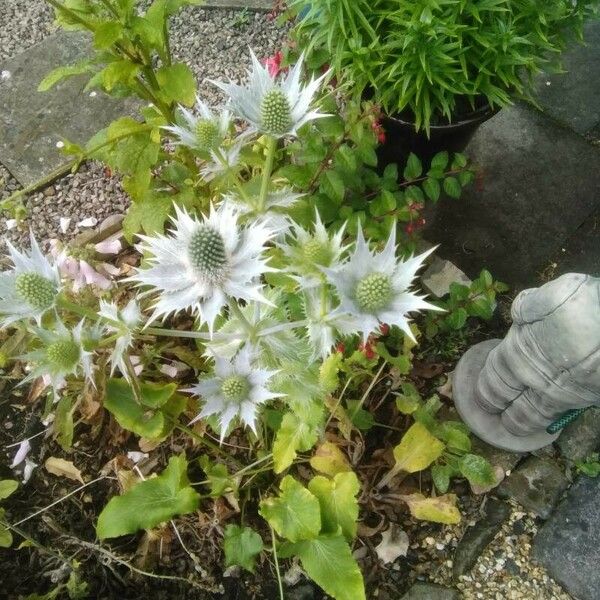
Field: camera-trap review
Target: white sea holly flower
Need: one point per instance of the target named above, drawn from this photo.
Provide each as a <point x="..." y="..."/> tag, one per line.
<point x="122" y="322"/>
<point x="30" y="288"/>
<point x="62" y="354"/>
<point x="277" y="107"/>
<point x="237" y="390"/>
<point x="222" y="160"/>
<point x="203" y="263"/>
<point x="373" y="288"/>
<point x="310" y="252"/>
<point x="206" y="131"/>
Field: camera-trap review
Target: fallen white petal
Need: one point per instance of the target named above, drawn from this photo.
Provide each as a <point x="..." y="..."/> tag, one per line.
<point x="109" y="246"/>
<point x="89" y="222"/>
<point x="136" y="457"/>
<point x="23" y="450"/>
<point x="64" y="223"/>
<point x="28" y="470"/>
<point x="11" y="223"/>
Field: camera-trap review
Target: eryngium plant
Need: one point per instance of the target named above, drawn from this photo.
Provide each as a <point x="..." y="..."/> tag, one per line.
<point x="436" y="59"/>
<point x="263" y="299"/>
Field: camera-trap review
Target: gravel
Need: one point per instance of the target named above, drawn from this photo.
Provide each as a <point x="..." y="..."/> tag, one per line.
<point x="213" y="42"/>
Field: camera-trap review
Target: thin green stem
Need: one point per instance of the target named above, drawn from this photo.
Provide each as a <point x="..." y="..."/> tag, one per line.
<point x="233" y="177"/>
<point x="277" y="571"/>
<point x="111" y="9"/>
<point x="62" y="302"/>
<point x="198" y="335"/>
<point x="268" y="171"/>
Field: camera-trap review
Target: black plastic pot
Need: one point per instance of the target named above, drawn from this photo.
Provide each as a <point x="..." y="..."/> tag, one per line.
<point x="401" y="138"/>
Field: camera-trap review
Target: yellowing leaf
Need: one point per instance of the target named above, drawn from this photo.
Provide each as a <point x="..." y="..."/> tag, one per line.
<point x="63" y="468"/>
<point x="439" y="510"/>
<point x="417" y="450"/>
<point x="329" y="459"/>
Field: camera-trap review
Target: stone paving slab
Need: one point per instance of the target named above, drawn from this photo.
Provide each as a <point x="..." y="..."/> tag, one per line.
<point x="240" y="4"/>
<point x="567" y="546"/>
<point x="573" y="97"/>
<point x="540" y="182"/>
<point x="32" y="122"/>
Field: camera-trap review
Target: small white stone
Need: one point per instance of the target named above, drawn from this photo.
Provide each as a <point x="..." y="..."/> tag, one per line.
<point x="548" y="83"/>
<point x="5" y="75"/>
<point x="64" y="223"/>
<point x="60" y="144"/>
<point x="89" y="222"/>
<point x="93" y="94"/>
<point x="11" y="223"/>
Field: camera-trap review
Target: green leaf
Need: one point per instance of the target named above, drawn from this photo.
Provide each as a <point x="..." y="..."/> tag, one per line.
<point x="330" y="460"/>
<point x="417" y="449"/>
<point x="441" y="509"/>
<point x="332" y="184"/>
<point x="5" y="534"/>
<point x="241" y="546"/>
<point x="295" y="435"/>
<point x="329" y="372"/>
<point x="61" y="73"/>
<point x="328" y="561"/>
<point x="177" y="83"/>
<point x="148" y="215"/>
<point x="432" y="189"/>
<point x="457" y="318"/>
<point x="63" y="423"/>
<point x="106" y="34"/>
<point x="295" y="515"/>
<point x="7" y="487"/>
<point x="154" y="417"/>
<point x="337" y="497"/>
<point x="441" y="477"/>
<point x="218" y="477"/>
<point x="414" y="168"/>
<point x="440" y="161"/>
<point x="476" y="469"/>
<point x="361" y="419"/>
<point x="452" y="187"/>
<point x="409" y="400"/>
<point x="149" y="502"/>
<point x="119" y="72"/>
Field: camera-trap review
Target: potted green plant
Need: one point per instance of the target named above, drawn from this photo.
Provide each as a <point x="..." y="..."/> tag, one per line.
<point x="437" y="68"/>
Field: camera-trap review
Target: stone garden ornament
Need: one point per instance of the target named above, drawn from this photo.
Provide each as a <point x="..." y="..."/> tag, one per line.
<point x="509" y="392"/>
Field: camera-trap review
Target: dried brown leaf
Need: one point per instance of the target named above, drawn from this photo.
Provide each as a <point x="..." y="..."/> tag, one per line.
<point x="63" y="468"/>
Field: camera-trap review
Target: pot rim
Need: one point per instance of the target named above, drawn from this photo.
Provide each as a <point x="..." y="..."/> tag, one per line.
<point x="479" y="114"/>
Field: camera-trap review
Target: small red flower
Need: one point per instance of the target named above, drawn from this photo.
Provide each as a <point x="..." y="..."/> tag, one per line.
<point x="340" y="348"/>
<point x="379" y="131"/>
<point x="273" y="64"/>
<point x="410" y="228"/>
<point x="384" y="328"/>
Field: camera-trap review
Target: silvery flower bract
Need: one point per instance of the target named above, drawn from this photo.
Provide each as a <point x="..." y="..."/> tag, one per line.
<point x="62" y="354"/>
<point x="373" y="288"/>
<point x="30" y="288"/>
<point x="237" y="390"/>
<point x="205" y="131"/>
<point x="122" y="322"/>
<point x="275" y="107"/>
<point x="204" y="262"/>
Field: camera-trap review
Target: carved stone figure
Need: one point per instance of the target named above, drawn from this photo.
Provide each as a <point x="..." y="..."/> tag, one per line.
<point x="509" y="391"/>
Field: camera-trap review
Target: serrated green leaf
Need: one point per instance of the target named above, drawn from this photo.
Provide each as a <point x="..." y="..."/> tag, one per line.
<point x="432" y="188"/>
<point x="328" y="561"/>
<point x="337" y="498"/>
<point x="332" y="184"/>
<point x="476" y="469"/>
<point x="119" y="72"/>
<point x="148" y="215"/>
<point x="60" y="73"/>
<point x="452" y="187"/>
<point x="177" y="83"/>
<point x="106" y="34"/>
<point x="417" y="449"/>
<point x="329" y="372"/>
<point x="413" y="168"/>
<point x="440" y="161"/>
<point x="149" y="502"/>
<point x="441" y="477"/>
<point x="457" y="318"/>
<point x="295" y="514"/>
<point x="218" y="477"/>
<point x="241" y="546"/>
<point x="295" y="435"/>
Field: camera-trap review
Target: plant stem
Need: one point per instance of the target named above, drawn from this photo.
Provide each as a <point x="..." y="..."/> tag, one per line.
<point x="237" y="311"/>
<point x="62" y="302"/>
<point x="266" y="178"/>
<point x="199" y="335"/>
<point x="277" y="571"/>
<point x="73" y="15"/>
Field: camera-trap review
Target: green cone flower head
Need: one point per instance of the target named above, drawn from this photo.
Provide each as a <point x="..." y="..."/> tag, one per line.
<point x="373" y="289"/>
<point x="30" y="288"/>
<point x="62" y="354"/>
<point x="272" y="105"/>
<point x="310" y="252"/>
<point x="204" y="131"/>
<point x="237" y="389"/>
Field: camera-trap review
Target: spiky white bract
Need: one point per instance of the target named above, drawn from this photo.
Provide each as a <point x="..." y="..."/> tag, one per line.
<point x="30" y="288"/>
<point x="309" y="252"/>
<point x="123" y="322"/>
<point x="204" y="131"/>
<point x="373" y="288"/>
<point x="271" y="105"/>
<point x="223" y="160"/>
<point x="237" y="389"/>
<point x="62" y="353"/>
<point x="276" y="201"/>
<point x="203" y="263"/>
